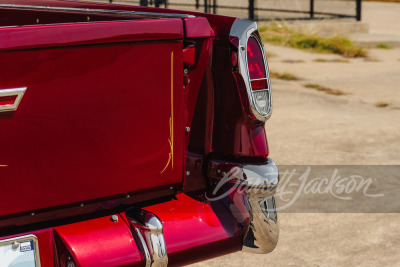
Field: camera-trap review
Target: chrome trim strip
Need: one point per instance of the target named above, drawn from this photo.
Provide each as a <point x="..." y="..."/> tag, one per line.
<point x="261" y="79"/>
<point x="243" y="29"/>
<point x="144" y="247"/>
<point x="256" y="185"/>
<point x="149" y="229"/>
<point x="96" y="11"/>
<point x="25" y="238"/>
<point x="19" y="92"/>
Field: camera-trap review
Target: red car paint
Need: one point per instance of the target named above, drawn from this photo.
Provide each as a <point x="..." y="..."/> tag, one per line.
<point x="193" y="229"/>
<point x="95" y="123"/>
<point x="100" y="242"/>
<point x="67" y="35"/>
<point x="198" y="27"/>
<point x="193" y="232"/>
<point x="76" y="131"/>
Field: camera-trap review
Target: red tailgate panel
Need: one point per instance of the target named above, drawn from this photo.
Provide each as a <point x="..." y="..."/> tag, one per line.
<point x="95" y="121"/>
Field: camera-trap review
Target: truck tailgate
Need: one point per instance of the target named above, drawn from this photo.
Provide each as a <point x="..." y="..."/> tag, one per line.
<point x="102" y="114"/>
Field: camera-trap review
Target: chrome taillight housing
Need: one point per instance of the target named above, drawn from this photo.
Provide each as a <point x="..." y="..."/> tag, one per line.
<point x="252" y="65"/>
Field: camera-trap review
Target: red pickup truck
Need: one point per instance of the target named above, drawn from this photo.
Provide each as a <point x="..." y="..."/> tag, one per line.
<point x="131" y="136"/>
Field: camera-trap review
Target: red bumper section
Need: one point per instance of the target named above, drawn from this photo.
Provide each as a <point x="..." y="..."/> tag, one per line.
<point x="192" y="232"/>
<point x="238" y="215"/>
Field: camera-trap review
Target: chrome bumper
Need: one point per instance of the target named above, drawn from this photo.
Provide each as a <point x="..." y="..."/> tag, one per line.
<point x="250" y="187"/>
<point x="150" y="237"/>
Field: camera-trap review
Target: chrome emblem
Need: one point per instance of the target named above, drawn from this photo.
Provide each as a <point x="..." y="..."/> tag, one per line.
<point x="10" y="98"/>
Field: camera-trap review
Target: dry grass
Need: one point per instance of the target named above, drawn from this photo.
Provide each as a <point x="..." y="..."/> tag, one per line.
<point x="324" y="89"/>
<point x="383" y="46"/>
<point x="381" y="104"/>
<point x="276" y="33"/>
<point x="336" y="60"/>
<point x="292" y="61"/>
<point x="283" y="76"/>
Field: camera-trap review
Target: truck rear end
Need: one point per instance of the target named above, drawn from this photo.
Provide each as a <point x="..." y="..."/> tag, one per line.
<point x="131" y="136"/>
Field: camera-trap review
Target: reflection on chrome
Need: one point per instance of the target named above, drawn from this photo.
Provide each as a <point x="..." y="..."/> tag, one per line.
<point x="149" y="236"/>
<point x="263" y="231"/>
<point x="251" y="188"/>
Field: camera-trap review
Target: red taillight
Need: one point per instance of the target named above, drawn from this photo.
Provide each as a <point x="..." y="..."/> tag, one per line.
<point x="8" y="100"/>
<point x="258" y="75"/>
<point x="259" y="84"/>
<point x="255" y="60"/>
<point x="252" y="65"/>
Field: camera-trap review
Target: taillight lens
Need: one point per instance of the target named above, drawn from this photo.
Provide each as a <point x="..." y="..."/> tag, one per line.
<point x="245" y="40"/>
<point x="261" y="100"/>
<point x="258" y="75"/>
<point x="259" y="84"/>
<point x="255" y="59"/>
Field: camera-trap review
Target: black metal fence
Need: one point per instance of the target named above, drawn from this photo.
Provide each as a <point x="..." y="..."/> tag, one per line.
<point x="263" y="9"/>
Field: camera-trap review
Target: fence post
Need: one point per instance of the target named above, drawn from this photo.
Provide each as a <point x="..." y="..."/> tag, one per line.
<point x="251" y="9"/>
<point x="312" y="9"/>
<point x="358" y="10"/>
<point x="205" y="6"/>
<point x="144" y="3"/>
<point x="214" y="6"/>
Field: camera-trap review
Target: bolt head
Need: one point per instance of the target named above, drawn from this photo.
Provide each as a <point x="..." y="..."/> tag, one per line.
<point x="114" y="218"/>
<point x="15" y="245"/>
<point x="187" y="173"/>
<point x="185" y="71"/>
